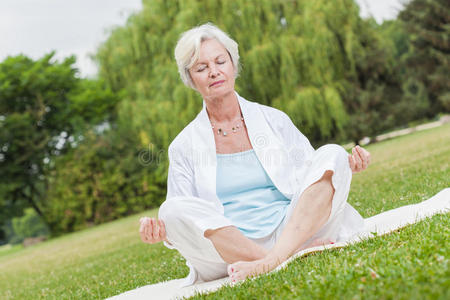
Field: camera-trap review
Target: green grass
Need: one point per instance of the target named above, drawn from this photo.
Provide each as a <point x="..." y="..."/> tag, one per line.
<point x="9" y="249"/>
<point x="410" y="264"/>
<point x="404" y="265"/>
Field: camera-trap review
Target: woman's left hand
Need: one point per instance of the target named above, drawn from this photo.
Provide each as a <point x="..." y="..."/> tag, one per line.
<point x="359" y="159"/>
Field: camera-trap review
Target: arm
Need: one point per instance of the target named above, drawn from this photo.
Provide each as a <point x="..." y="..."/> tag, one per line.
<point x="359" y="160"/>
<point x="180" y="178"/>
<point x="179" y="183"/>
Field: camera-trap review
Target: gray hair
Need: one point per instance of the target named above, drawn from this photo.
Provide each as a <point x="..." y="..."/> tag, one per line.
<point x="188" y="48"/>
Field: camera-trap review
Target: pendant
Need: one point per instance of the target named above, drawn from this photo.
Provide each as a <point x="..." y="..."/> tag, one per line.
<point x="219" y="131"/>
<point x="233" y="129"/>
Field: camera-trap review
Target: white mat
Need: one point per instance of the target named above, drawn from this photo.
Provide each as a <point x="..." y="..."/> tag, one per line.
<point x="380" y="224"/>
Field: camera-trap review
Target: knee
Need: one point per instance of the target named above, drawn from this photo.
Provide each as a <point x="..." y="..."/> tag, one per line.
<point x="178" y="210"/>
<point x="170" y="211"/>
<point x="334" y="152"/>
<point x="336" y="158"/>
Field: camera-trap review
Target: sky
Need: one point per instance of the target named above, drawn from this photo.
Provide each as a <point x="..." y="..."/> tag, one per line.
<point x="36" y="27"/>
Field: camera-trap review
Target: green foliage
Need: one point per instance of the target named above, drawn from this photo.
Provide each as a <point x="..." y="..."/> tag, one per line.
<point x="374" y="89"/>
<point x="34" y="109"/>
<point x="103" y="179"/>
<point x="331" y="71"/>
<point x="395" y="34"/>
<point x="91" y="103"/>
<point x="43" y="108"/>
<point x="428" y="60"/>
<point x="29" y="225"/>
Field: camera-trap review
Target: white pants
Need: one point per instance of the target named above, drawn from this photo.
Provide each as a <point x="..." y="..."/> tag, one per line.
<point x="187" y="218"/>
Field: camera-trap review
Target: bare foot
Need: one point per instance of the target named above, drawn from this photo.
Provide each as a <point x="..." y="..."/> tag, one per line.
<point x="244" y="269"/>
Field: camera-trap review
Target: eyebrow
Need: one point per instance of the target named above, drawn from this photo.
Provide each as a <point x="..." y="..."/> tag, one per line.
<point x="200" y="62"/>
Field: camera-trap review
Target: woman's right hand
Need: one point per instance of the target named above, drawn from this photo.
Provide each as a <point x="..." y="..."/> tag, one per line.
<point x="152" y="230"/>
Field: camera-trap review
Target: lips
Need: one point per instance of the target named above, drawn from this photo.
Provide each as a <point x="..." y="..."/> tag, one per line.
<point x="217" y="82"/>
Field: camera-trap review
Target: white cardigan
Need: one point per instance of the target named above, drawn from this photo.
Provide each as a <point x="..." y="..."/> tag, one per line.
<point x="280" y="147"/>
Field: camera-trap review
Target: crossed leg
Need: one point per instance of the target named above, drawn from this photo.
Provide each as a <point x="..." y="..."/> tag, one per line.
<point x="233" y="246"/>
<point x="309" y="215"/>
<point x="209" y="242"/>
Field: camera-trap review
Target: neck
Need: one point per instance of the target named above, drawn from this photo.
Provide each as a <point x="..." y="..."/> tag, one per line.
<point x="223" y="109"/>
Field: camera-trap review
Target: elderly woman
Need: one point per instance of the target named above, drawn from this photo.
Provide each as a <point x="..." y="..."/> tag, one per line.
<point x="246" y="190"/>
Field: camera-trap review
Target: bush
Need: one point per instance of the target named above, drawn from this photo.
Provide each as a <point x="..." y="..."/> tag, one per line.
<point x="29" y="225"/>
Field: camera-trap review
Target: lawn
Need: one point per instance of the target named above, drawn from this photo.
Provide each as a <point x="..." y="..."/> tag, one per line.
<point x="410" y="264"/>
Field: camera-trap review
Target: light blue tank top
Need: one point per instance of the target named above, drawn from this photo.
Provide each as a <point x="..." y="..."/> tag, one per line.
<point x="250" y="199"/>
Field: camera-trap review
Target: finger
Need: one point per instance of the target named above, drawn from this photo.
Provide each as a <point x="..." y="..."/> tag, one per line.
<point x="155" y="232"/>
<point x="147" y="229"/>
<point x="366" y="153"/>
<point x="358" y="161"/>
<point x="144" y="232"/>
<point x="369" y="157"/>
<point x="363" y="157"/>
<point x="355" y="167"/>
<point x="162" y="229"/>
<point x="366" y="156"/>
<point x="351" y="162"/>
<point x="157" y="229"/>
<point x="141" y="232"/>
<point x="363" y="153"/>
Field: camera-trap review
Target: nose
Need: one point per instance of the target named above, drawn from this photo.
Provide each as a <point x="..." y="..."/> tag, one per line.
<point x="214" y="72"/>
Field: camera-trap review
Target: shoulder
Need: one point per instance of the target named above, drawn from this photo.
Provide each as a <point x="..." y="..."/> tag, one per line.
<point x="182" y="141"/>
<point x="273" y="112"/>
<point x="281" y="123"/>
<point x="277" y="118"/>
<point x="268" y="111"/>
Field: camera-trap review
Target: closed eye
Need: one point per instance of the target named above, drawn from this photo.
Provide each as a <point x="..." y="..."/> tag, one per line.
<point x="199" y="70"/>
<point x="219" y="62"/>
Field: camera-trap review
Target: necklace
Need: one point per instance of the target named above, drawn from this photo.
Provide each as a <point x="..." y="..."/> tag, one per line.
<point x="234" y="129"/>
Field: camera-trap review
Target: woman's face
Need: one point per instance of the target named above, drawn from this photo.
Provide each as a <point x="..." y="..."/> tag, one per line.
<point x="213" y="72"/>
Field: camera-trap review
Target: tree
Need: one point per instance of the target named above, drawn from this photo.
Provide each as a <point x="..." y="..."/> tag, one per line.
<point x="428" y="61"/>
<point x="373" y="89"/>
<point x="316" y="60"/>
<point x="106" y="177"/>
<point x="29" y="225"/>
<point x="41" y="105"/>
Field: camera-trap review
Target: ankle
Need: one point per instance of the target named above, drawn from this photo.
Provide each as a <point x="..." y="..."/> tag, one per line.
<point x="273" y="258"/>
<point x="258" y="253"/>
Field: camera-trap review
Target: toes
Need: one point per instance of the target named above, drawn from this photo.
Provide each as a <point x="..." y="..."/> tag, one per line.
<point x="235" y="277"/>
<point x="321" y="242"/>
<point x="329" y="241"/>
<point x="235" y="273"/>
<point x="230" y="270"/>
